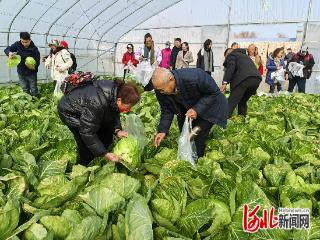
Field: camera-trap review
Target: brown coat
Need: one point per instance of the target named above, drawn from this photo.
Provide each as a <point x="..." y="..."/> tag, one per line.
<point x="183" y="62"/>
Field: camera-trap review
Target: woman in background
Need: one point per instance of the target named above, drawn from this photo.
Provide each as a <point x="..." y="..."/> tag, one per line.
<point x="184" y="57"/>
<point x="128" y="59"/>
<point x="275" y="65"/>
<point x="255" y="57"/>
<point x="166" y="55"/>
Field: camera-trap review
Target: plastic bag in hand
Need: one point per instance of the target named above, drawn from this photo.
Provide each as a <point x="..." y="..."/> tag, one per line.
<point x="57" y="89"/>
<point x="278" y="75"/>
<point x="135" y="128"/>
<point x="143" y="72"/>
<point x="186" y="147"/>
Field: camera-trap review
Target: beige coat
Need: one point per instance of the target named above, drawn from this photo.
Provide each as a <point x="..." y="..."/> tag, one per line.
<point x="183" y="62"/>
<point x="59" y="64"/>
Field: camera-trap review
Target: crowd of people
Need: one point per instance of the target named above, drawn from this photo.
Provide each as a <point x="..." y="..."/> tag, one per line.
<point x="91" y="110"/>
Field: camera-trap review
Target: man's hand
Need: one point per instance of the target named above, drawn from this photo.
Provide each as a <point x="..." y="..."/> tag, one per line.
<point x="191" y="113"/>
<point x="112" y="157"/>
<point x="141" y="58"/>
<point x="122" y="134"/>
<point x="223" y="88"/>
<point x="158" y="139"/>
<point x="11" y="54"/>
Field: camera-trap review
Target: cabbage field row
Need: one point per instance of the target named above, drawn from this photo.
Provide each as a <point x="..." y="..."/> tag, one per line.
<point x="271" y="158"/>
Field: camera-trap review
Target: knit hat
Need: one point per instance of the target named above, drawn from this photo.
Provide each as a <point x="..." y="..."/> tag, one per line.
<point x="64" y="44"/>
<point x="54" y="42"/>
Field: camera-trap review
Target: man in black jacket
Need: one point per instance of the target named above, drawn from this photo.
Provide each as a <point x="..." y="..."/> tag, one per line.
<point x="193" y="93"/>
<point x="92" y="113"/>
<point x="244" y="79"/>
<point x="174" y="53"/>
<point x="27" y="74"/>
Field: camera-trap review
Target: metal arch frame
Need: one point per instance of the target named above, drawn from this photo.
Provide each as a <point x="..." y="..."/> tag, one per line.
<point x="14" y="18"/>
<point x="38" y="20"/>
<point x="115" y="44"/>
<point x="105" y="22"/>
<point x="307" y="23"/>
<point x="108" y="50"/>
<point x="82" y="14"/>
<point x="156" y="13"/>
<point x="92" y="19"/>
<point x="122" y="19"/>
<point x="59" y="17"/>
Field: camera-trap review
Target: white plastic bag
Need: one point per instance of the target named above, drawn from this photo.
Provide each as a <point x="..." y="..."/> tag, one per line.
<point x="143" y="72"/>
<point x="187" y="148"/>
<point x="57" y="90"/>
<point x="296" y="69"/>
<point x="278" y="76"/>
<point x="134" y="127"/>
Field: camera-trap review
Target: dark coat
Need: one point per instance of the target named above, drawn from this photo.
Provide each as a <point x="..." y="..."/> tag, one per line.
<point x="89" y="108"/>
<point x="173" y="57"/>
<point x="307" y="61"/>
<point x="200" y="59"/>
<point x="239" y="67"/>
<point x="272" y="67"/>
<point x="197" y="90"/>
<point x="31" y="51"/>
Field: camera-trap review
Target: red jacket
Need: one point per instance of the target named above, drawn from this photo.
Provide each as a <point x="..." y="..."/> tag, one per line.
<point x="129" y="57"/>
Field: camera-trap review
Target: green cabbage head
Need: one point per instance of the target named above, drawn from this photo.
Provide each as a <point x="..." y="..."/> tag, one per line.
<point x="128" y="150"/>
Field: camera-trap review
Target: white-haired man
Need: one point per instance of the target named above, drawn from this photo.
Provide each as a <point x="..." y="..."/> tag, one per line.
<point x="193" y="93"/>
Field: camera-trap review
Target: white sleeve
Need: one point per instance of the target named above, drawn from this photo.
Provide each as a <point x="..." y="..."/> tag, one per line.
<point x="48" y="62"/>
<point x="67" y="60"/>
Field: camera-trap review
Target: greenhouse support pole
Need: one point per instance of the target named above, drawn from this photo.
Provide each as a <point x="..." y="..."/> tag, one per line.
<point x="229" y="21"/>
<point x="307" y="23"/>
<point x="114" y="58"/>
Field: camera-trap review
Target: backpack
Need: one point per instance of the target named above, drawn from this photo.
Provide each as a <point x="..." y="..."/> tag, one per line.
<point x="74" y="66"/>
<point x="76" y="80"/>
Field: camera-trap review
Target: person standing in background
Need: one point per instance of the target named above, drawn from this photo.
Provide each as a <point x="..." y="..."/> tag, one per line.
<point x="27" y="74"/>
<point x="184" y="57"/>
<point x="244" y="80"/>
<point x="59" y="61"/>
<point x="205" y="57"/>
<point x="304" y="58"/>
<point x="128" y="58"/>
<point x="174" y="53"/>
<point x="166" y="55"/>
<point x="254" y="55"/>
<point x="73" y="57"/>
<point x="275" y="64"/>
<point x="235" y="45"/>
<point x="149" y="52"/>
<point x="288" y="59"/>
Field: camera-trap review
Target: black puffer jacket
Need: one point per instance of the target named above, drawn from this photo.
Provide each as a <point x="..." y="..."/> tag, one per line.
<point x="239" y="67"/>
<point x="90" y="107"/>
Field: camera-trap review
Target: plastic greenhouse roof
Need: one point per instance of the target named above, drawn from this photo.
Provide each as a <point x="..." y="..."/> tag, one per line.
<point x="96" y="24"/>
<point x="93" y="20"/>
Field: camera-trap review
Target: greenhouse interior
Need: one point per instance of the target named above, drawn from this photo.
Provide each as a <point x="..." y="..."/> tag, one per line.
<point x="149" y="119"/>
